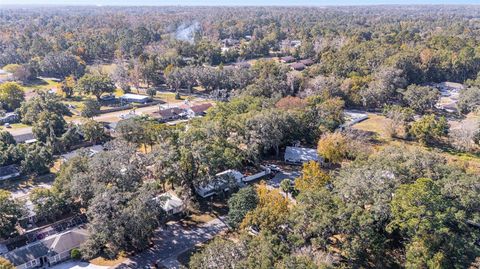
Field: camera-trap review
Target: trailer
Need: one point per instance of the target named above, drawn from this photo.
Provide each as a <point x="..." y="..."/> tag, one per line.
<point x="265" y="172"/>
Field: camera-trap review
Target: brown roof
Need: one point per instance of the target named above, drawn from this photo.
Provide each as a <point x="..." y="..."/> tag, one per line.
<point x="307" y="62"/>
<point x="169" y="112"/>
<point x="297" y="66"/>
<point x="288" y="59"/>
<point x="200" y="108"/>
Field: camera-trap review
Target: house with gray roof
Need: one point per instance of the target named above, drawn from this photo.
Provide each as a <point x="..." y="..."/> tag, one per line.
<point x="297" y="155"/>
<point x="49" y="251"/>
<point x="9" y="171"/>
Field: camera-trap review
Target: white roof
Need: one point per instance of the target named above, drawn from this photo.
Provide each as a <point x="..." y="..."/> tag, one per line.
<point x="169" y="201"/>
<point x="300" y="155"/>
<point x="134" y="96"/>
<point x="230" y="172"/>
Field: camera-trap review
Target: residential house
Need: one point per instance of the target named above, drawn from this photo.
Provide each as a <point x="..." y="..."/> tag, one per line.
<point x="307" y="62"/>
<point x="9" y="171"/>
<point x="90" y="152"/>
<point x="222" y="182"/>
<point x="170" y="114"/>
<point x="298" y="155"/>
<point x="170" y="203"/>
<point x="198" y="110"/>
<point x="297" y="66"/>
<point x="287" y="59"/>
<point x="49" y="251"/>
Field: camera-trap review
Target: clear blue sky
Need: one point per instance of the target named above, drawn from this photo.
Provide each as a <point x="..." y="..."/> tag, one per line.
<point x="233" y="2"/>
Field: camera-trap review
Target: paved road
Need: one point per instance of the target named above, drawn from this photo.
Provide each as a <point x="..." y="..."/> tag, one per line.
<point x="275" y="181"/>
<point x="172" y="241"/>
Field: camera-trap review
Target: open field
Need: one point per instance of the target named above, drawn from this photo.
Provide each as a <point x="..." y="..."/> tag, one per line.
<point x="374" y="124"/>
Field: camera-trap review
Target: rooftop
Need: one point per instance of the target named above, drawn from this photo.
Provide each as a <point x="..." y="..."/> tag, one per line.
<point x="132" y="96"/>
<point x="22" y="138"/>
<point x="8" y="170"/>
<point x="201" y="107"/>
<point x="51" y="245"/>
<point x="169" y="201"/>
<point x="300" y="155"/>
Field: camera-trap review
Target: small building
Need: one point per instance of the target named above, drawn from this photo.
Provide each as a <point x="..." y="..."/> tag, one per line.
<point x="307" y="62"/>
<point x="170" y="203"/>
<point x="169" y="114"/>
<point x="297" y="66"/>
<point x="9" y="171"/>
<point x="287" y="59"/>
<point x="49" y="251"/>
<point x="298" y="155"/>
<point x="198" y="110"/>
<point x="135" y="98"/>
<point x="25" y="138"/>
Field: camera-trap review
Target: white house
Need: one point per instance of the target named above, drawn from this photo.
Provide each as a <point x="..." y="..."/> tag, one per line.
<point x="221" y="182"/>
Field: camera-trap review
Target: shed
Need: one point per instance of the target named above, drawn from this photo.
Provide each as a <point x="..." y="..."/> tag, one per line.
<point x="298" y="155"/>
<point x="135" y="98"/>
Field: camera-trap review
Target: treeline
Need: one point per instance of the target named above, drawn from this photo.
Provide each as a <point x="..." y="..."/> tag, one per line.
<point x="426" y="44"/>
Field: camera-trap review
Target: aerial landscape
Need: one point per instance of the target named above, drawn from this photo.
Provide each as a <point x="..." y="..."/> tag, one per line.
<point x="205" y="135"/>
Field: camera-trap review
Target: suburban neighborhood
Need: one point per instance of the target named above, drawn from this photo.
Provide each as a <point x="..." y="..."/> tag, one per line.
<point x="239" y="136"/>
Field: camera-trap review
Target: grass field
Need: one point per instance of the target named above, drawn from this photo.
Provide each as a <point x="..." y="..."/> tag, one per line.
<point x="375" y="125"/>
